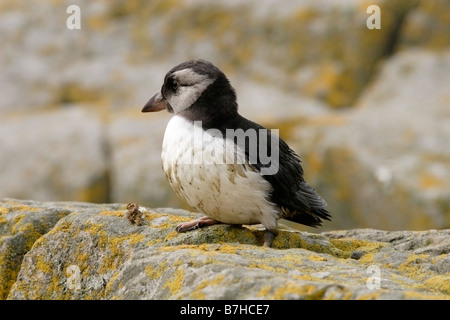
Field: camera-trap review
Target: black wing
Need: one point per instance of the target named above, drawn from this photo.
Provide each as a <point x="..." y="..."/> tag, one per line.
<point x="297" y="200"/>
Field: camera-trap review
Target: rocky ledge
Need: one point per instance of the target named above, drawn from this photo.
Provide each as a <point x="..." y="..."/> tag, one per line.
<point x="72" y="250"/>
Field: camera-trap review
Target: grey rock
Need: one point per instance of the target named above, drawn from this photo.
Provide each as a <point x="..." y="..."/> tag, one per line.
<point x="303" y="46"/>
<point x="57" y="154"/>
<point x="96" y="253"/>
<point x="427" y="26"/>
<point x="289" y="64"/>
<point x="385" y="164"/>
<point x="22" y="223"/>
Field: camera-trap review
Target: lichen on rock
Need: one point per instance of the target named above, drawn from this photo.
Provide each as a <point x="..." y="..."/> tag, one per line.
<point x="96" y="253"/>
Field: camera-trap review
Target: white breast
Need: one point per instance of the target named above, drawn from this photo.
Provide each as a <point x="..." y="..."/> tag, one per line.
<point x="213" y="178"/>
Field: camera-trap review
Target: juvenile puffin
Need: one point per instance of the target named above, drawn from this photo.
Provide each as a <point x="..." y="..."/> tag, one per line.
<point x="218" y="173"/>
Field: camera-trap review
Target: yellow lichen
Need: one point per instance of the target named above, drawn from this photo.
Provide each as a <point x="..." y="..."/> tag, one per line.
<point x="17" y="220"/>
<point x="202" y="262"/>
<point x="429" y="181"/>
<point x="414" y="295"/>
<point x="287" y="240"/>
<point x="175" y="283"/>
<point x="177" y="219"/>
<point x="171" y="235"/>
<point x="286" y="128"/>
<point x="348" y="295"/>
<point x="153" y="273"/>
<point x="202" y="247"/>
<point x="374" y="295"/>
<point x="328" y="120"/>
<point x="73" y="92"/>
<point x="367" y="258"/>
<point x="4" y="210"/>
<point x="112" y="280"/>
<point x="24" y="208"/>
<point x="439" y="283"/>
<point x="225" y="248"/>
<point x="153" y="242"/>
<point x="314" y="257"/>
<point x="112" y="213"/>
<point x="165" y="225"/>
<point x="314" y="163"/>
<point x="152" y="216"/>
<point x="115" y="247"/>
<point x="131" y="239"/>
<point x="82" y="259"/>
<point x="43" y="265"/>
<point x="306" y="291"/>
<point x="97" y="23"/>
<point x="198" y="294"/>
<point x="8" y="271"/>
<point x="31" y="233"/>
<point x="218" y="280"/>
<point x="347" y="246"/>
<point x="307" y="277"/>
<point x="264" y="292"/>
<point x="412" y="267"/>
<point x="265" y="266"/>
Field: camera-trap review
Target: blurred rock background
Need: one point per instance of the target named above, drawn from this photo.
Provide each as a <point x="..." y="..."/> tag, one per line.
<point x="367" y="110"/>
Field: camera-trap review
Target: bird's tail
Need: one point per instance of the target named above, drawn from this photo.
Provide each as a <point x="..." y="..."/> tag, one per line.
<point x="309" y="217"/>
<point x="310" y="209"/>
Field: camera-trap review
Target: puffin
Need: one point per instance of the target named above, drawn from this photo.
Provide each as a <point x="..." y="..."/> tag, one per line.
<point x="229" y="168"/>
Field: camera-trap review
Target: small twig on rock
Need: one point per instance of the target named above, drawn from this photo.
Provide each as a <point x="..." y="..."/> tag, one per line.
<point x="135" y="214"/>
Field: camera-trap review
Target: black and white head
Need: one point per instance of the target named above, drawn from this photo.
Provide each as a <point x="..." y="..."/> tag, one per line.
<point x="196" y="90"/>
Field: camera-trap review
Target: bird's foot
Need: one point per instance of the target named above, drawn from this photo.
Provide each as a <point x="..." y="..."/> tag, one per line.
<point x="269" y="235"/>
<point x="196" y="224"/>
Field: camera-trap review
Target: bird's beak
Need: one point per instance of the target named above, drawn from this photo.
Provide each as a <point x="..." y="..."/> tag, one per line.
<point x="156" y="103"/>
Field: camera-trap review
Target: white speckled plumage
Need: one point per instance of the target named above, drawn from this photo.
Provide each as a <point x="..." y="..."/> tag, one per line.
<point x="216" y="186"/>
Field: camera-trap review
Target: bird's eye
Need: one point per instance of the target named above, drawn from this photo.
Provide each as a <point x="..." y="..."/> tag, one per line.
<point x="175" y="84"/>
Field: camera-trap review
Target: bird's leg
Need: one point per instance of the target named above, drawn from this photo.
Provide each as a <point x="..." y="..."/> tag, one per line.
<point x="196" y="224"/>
<point x="269" y="235"/>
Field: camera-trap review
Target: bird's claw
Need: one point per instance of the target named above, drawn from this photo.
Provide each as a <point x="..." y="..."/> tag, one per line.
<point x="187" y="226"/>
<point x="196" y="224"/>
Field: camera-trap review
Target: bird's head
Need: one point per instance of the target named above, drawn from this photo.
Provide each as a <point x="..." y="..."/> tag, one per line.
<point x="195" y="89"/>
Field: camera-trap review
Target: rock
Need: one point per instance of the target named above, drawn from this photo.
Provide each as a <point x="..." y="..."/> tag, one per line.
<point x="322" y="49"/>
<point x="384" y="164"/>
<point x="96" y="253"/>
<point x="291" y="65"/>
<point x="58" y="154"/>
<point x="21" y="224"/>
<point x="427" y="26"/>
